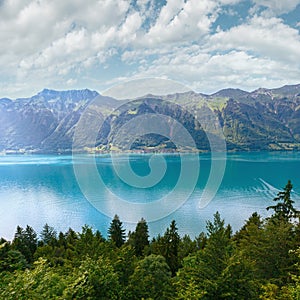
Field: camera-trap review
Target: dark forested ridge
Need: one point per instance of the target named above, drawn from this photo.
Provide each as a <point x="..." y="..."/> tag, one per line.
<point x="260" y="261"/>
<point x="265" y="119"/>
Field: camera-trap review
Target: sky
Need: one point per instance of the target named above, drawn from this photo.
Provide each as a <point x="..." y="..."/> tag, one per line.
<point x="206" y="45"/>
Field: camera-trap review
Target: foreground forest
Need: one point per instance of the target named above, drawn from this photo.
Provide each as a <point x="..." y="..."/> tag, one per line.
<point x="260" y="261"/>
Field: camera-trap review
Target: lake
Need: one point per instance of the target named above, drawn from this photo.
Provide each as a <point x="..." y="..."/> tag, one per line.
<point x="66" y="191"/>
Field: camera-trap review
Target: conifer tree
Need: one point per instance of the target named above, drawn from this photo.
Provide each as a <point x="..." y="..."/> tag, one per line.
<point x="171" y="241"/>
<point x="48" y="235"/>
<point x="116" y="232"/>
<point x="249" y="230"/>
<point x="284" y="208"/>
<point x="25" y="241"/>
<point x="140" y="237"/>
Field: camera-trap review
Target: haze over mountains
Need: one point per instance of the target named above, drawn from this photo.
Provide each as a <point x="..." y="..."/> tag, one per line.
<point x="265" y="119"/>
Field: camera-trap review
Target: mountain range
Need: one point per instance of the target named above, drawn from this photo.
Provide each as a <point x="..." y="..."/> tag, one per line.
<point x="265" y="119"/>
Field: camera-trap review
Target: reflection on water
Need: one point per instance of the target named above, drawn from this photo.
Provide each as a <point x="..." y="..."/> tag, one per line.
<point x="39" y="189"/>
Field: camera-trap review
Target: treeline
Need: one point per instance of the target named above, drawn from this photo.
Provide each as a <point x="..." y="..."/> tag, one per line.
<point x="260" y="261"/>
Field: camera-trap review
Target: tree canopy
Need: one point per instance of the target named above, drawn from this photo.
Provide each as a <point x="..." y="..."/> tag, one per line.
<point x="259" y="261"/>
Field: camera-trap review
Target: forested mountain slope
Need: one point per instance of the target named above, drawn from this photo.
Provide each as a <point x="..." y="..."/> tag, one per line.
<point x="265" y="119"/>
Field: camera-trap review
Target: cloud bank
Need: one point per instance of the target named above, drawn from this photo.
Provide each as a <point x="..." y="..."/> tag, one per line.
<point x="207" y="45"/>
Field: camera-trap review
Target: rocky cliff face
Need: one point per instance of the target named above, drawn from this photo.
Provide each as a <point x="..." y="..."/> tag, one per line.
<point x="265" y="119"/>
<point x="27" y="123"/>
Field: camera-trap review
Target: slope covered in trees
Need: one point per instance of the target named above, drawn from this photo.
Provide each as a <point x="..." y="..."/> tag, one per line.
<point x="260" y="261"/>
<point x="265" y="119"/>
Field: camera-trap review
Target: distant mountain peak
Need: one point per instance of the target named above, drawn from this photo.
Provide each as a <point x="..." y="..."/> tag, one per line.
<point x="68" y="95"/>
<point x="44" y="91"/>
<point x="284" y="91"/>
<point x="78" y="91"/>
<point x="265" y="119"/>
<point x="230" y="93"/>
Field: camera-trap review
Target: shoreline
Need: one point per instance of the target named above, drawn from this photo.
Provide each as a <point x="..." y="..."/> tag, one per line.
<point x="80" y="152"/>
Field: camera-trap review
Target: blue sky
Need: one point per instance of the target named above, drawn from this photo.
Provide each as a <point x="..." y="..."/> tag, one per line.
<point x="205" y="44"/>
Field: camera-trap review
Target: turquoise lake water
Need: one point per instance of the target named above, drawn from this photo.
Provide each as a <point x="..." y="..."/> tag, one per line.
<point x="63" y="191"/>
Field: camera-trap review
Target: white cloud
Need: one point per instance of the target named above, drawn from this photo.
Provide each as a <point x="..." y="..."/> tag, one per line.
<point x="129" y="29"/>
<point x="260" y="52"/>
<point x="180" y="21"/>
<point x="49" y="43"/>
<point x="278" y="6"/>
<point x="51" y="38"/>
<point x="143" y="86"/>
<point x="229" y="2"/>
<point x="208" y="73"/>
<point x="265" y="37"/>
<point x="31" y="26"/>
<point x="71" y="82"/>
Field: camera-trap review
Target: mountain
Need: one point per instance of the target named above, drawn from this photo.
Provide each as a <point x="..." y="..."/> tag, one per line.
<point x="265" y="119"/>
<point x="26" y="123"/>
<point x="230" y="93"/>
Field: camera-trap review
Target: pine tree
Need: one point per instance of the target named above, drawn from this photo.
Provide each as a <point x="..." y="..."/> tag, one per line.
<point x="217" y="271"/>
<point x="89" y="243"/>
<point x="252" y="227"/>
<point x="25" y="241"/>
<point x="219" y="246"/>
<point x="284" y="208"/>
<point x="187" y="246"/>
<point x="171" y="240"/>
<point x="140" y="237"/>
<point x="48" y="235"/>
<point x="116" y="232"/>
<point x="71" y="237"/>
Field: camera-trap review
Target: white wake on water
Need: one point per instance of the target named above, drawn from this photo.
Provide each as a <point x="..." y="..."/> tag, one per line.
<point x="269" y="190"/>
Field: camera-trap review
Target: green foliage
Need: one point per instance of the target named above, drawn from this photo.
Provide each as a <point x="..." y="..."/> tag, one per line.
<point x="25" y="241"/>
<point x="124" y="263"/>
<point x="237" y="280"/>
<point x="93" y="280"/>
<point x="48" y="235"/>
<point x="252" y="228"/>
<point x="284" y="209"/>
<point x="140" y="237"/>
<point x="277" y="239"/>
<point x="186" y="246"/>
<point x="268" y="246"/>
<point x="116" y="232"/>
<point x="271" y="291"/>
<point x="260" y="261"/>
<point x="168" y="247"/>
<point x="39" y="283"/>
<point x="171" y="241"/>
<point x="201" y="241"/>
<point x="12" y="260"/>
<point x="89" y="242"/>
<point x="151" y="279"/>
<point x="292" y="290"/>
<point x="219" y="246"/>
<point x="217" y="271"/>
